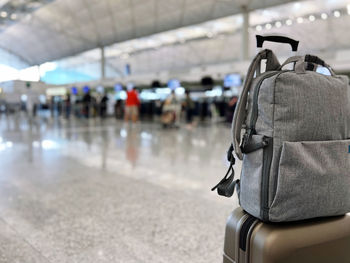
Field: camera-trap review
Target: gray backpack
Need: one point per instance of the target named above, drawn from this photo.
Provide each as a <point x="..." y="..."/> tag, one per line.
<point x="291" y="128"/>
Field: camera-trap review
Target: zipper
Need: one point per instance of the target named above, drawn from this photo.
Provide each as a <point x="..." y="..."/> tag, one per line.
<point x="250" y="129"/>
<point x="267" y="151"/>
<point x="254" y="117"/>
<point x="243" y="235"/>
<point x="265" y="178"/>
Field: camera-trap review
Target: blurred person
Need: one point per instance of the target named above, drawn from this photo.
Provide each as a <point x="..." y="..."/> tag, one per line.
<point x="67" y="106"/>
<point x="31" y="102"/>
<point x="214" y="113"/>
<point x="189" y="107"/>
<point x="93" y="106"/>
<point x="172" y="110"/>
<point x="86" y="104"/>
<point x="204" y="110"/>
<point x="78" y="108"/>
<point x="35" y="109"/>
<point x="59" y="105"/>
<point x="103" y="106"/>
<point x="158" y="107"/>
<point x="131" y="105"/>
<point x="52" y="106"/>
<point x="118" y="109"/>
<point x="231" y="107"/>
<point x="168" y="114"/>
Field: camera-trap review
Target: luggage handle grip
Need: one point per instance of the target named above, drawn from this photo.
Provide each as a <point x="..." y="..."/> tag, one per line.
<point x="315" y="60"/>
<point x="279" y="39"/>
<point x="301" y="62"/>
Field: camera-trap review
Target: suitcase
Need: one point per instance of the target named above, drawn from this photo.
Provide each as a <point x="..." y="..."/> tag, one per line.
<point x="248" y="240"/>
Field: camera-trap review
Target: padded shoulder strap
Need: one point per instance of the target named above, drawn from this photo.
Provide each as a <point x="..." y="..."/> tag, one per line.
<point x="241" y="112"/>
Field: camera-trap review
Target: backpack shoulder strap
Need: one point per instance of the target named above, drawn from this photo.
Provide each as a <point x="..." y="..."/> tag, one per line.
<point x="293" y="59"/>
<point x="241" y="111"/>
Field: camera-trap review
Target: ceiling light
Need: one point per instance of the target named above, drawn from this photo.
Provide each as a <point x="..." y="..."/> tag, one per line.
<point x="297" y="5"/>
<point x="258" y="28"/>
<point x="268" y="26"/>
<point x="324" y="16"/>
<point x="336" y="13"/>
<point x="3" y="14"/>
<point x="289" y="22"/>
<point x="312" y="18"/>
<point x="278" y="24"/>
<point x="300" y="20"/>
<point x="13" y="16"/>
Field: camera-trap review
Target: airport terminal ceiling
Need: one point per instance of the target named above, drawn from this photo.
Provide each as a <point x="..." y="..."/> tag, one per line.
<point x="65" y="27"/>
<point x="163" y="35"/>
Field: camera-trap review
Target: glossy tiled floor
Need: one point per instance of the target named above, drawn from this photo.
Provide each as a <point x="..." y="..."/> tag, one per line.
<point x="92" y="191"/>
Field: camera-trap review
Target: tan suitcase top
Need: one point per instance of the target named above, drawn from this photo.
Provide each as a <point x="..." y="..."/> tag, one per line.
<point x="324" y="240"/>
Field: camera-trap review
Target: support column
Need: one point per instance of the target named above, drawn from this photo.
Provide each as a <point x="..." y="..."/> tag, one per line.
<point x="245" y="34"/>
<point x="103" y="63"/>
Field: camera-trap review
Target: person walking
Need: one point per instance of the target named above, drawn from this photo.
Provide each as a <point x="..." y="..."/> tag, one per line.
<point x="231" y="107"/>
<point x="131" y="105"/>
<point x="103" y="106"/>
<point x="172" y="110"/>
<point x="86" y="104"/>
<point x="67" y="106"/>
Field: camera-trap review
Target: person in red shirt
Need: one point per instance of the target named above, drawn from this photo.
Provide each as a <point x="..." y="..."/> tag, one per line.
<point x="131" y="105"/>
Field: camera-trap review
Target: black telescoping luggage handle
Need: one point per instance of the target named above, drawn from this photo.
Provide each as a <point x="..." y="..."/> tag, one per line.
<point x="279" y="39"/>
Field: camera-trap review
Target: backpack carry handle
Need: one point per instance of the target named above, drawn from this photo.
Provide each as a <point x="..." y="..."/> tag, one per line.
<point x="279" y="39"/>
<point x="307" y="63"/>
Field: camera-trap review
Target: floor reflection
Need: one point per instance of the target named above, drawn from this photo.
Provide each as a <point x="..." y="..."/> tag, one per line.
<point x="187" y="154"/>
<point x="106" y="186"/>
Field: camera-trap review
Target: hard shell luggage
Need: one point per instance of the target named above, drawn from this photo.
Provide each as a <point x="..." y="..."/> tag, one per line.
<point x="324" y="240"/>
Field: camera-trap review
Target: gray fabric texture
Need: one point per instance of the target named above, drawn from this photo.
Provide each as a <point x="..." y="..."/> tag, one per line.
<point x="312" y="111"/>
<point x="266" y="111"/>
<point x="307" y="107"/>
<point x="313" y="180"/>
<point x="264" y="123"/>
<point x="251" y="181"/>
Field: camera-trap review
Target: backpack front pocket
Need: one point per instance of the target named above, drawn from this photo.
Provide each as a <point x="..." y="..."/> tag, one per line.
<point x="313" y="180"/>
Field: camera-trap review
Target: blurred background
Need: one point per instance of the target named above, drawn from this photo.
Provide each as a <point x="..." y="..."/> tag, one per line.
<point x="115" y="118"/>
